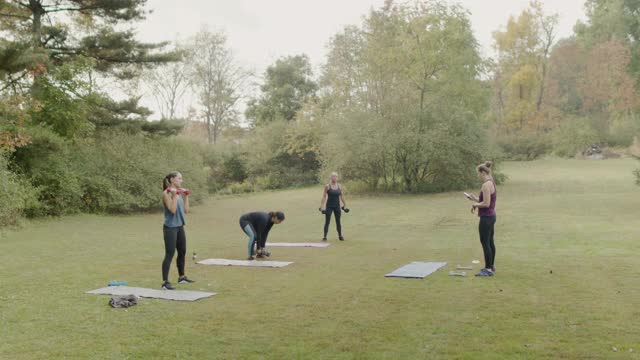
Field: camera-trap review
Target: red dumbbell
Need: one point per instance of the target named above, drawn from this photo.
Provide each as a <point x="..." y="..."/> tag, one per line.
<point x="180" y="191"/>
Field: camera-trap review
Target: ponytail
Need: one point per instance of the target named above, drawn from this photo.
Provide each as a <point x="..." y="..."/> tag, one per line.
<point x="166" y="182"/>
<point x="485" y="168"/>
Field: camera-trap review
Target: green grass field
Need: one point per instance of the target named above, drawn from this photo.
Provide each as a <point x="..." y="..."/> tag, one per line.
<point x="567" y="285"/>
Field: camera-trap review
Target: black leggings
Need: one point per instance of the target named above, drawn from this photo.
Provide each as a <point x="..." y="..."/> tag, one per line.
<point x="327" y="220"/>
<point x="174" y="239"/>
<point x="486" y="239"/>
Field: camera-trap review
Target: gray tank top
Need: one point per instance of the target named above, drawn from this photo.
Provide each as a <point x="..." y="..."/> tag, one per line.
<point x="177" y="219"/>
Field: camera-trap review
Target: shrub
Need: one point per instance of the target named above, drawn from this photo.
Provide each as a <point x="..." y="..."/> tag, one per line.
<point x="123" y="172"/>
<point x="241" y="188"/>
<point x="113" y="172"/>
<point x="623" y="131"/>
<point x="573" y="137"/>
<point x="18" y="195"/>
<point x="45" y="162"/>
<point x="282" y="154"/>
<point x="524" y="147"/>
<point x="234" y="168"/>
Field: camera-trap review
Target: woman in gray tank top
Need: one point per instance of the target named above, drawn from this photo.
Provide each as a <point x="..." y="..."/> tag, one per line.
<point x="175" y="202"/>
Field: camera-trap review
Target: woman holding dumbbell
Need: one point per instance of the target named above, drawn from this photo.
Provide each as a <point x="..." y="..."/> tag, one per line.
<point x="332" y="196"/>
<point x="176" y="204"/>
<point x="257" y="226"/>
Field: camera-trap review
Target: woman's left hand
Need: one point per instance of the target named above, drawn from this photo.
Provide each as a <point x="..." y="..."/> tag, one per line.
<point x="473" y="209"/>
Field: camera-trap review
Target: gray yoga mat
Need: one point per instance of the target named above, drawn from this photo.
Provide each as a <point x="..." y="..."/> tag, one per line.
<point x="178" y="295"/>
<point x="417" y="270"/>
<point x="293" y="244"/>
<point x="252" y="263"/>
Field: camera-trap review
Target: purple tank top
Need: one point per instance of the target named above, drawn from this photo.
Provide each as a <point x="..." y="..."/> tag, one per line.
<point x="491" y="210"/>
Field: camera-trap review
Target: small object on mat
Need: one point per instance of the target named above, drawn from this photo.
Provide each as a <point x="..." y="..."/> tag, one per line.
<point x="228" y="262"/>
<point x="179" y="295"/>
<point x="476" y="261"/>
<point x="417" y="269"/>
<point x="453" y="273"/>
<point x="460" y="267"/>
<point x="123" y="301"/>
<point x="117" y="283"/>
<point x="293" y="244"/>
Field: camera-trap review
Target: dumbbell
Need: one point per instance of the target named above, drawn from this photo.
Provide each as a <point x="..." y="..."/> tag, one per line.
<point x="345" y="209"/>
<point x="180" y="191"/>
<point x="322" y="211"/>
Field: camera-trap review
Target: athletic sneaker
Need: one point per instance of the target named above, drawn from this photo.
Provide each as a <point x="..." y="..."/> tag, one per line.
<point x="341" y="238"/>
<point x="250" y="258"/>
<point x="266" y="253"/>
<point x="484" y="272"/>
<point x="493" y="269"/>
<point x="324" y="239"/>
<point x="259" y="256"/>
<point x="167" y="286"/>
<point x="185" y="280"/>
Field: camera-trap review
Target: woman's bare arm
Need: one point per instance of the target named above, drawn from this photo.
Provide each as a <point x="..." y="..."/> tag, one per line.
<point x="486" y="196"/>
<point x="171" y="202"/>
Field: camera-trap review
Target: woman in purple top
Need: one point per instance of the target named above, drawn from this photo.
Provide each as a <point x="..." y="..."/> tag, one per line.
<point x="486" y="205"/>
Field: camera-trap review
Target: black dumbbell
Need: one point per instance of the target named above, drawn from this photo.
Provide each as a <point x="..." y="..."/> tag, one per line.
<point x="345" y="209"/>
<point x="322" y="211"/>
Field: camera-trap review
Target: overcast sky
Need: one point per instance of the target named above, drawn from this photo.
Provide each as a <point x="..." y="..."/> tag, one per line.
<point x="260" y="31"/>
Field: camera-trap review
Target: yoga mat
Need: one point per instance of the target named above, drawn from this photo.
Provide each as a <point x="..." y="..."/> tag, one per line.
<point x="292" y="244"/>
<point x="252" y="263"/>
<point x="178" y="295"/>
<point x="417" y="270"/>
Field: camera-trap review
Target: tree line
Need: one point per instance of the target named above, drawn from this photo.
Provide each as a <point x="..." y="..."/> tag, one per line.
<point x="403" y="102"/>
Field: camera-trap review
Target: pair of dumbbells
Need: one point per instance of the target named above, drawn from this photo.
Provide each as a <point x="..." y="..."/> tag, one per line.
<point x="181" y="191"/>
<point x="323" y="211"/>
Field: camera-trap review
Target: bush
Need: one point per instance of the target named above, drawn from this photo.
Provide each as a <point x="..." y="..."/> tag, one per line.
<point x="573" y="137"/>
<point x="113" y="172"/>
<point x="45" y="162"/>
<point x="281" y="155"/>
<point x="241" y="188"/>
<point x="524" y="147"/>
<point x="623" y="131"/>
<point x="437" y="152"/>
<point x="18" y="195"/>
<point x="234" y="168"/>
<point x="123" y="172"/>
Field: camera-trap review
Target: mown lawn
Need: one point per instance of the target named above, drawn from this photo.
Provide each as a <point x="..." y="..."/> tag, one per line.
<point x="567" y="285"/>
